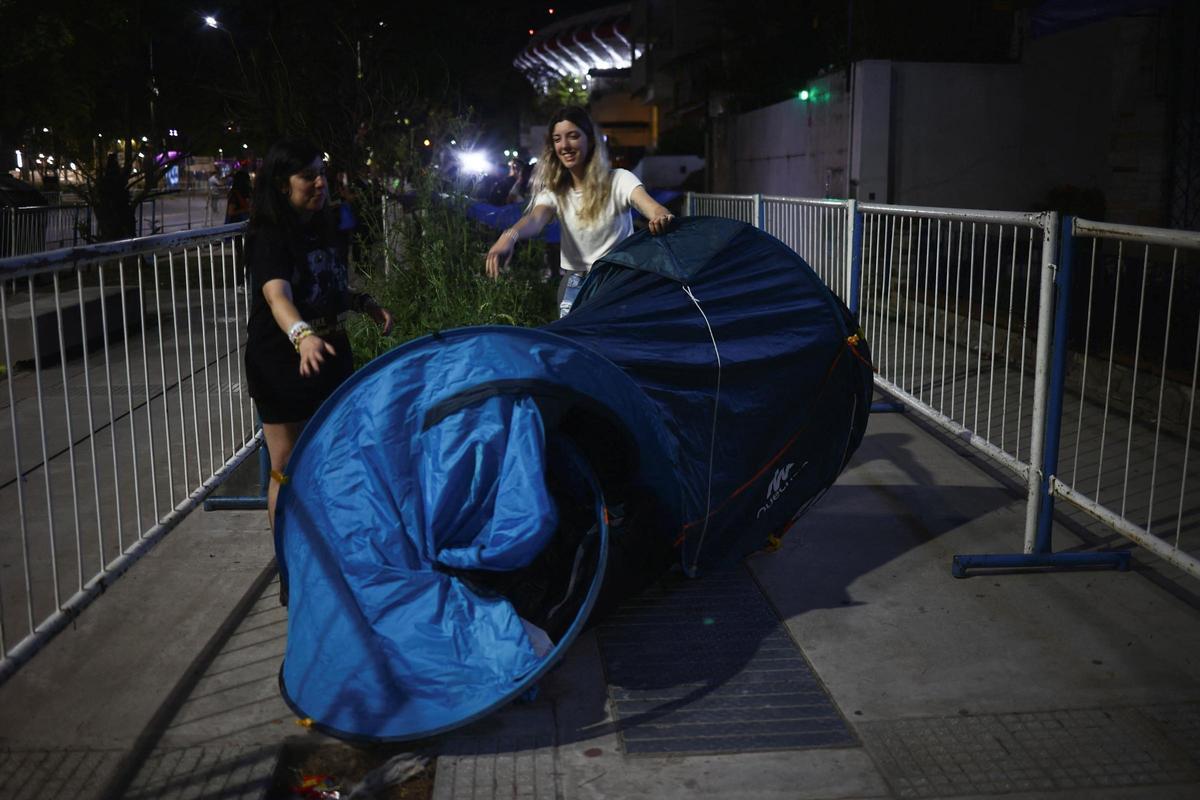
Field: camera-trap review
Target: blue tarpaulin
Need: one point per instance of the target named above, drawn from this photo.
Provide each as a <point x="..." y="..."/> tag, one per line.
<point x="439" y="501"/>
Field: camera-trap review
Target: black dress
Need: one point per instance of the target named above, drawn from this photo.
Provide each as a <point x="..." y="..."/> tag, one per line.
<point x="312" y="258"/>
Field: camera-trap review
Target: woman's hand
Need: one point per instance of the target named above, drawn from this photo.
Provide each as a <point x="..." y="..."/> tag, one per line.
<point x="312" y="354"/>
<point x="500" y="254"/>
<point x="660" y="222"/>
<point x="382" y="317"/>
<point x="655" y="212"/>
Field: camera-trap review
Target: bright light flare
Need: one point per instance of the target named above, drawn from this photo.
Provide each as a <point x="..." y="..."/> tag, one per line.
<point x="474" y="161"/>
<point x="210" y="21"/>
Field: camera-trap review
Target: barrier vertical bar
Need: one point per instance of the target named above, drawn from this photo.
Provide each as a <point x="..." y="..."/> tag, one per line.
<point x="17" y="462"/>
<point x="1047" y="418"/>
<point x="1050" y="232"/>
<point x="758" y="212"/>
<point x="1054" y="405"/>
<point x="248" y="502"/>
<point x="687" y="204"/>
<point x="854" y="254"/>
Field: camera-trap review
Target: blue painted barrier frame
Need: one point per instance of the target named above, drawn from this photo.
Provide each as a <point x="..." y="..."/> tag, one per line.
<point x="1043" y="555"/>
<point x="248" y="502"/>
<point x="856" y="234"/>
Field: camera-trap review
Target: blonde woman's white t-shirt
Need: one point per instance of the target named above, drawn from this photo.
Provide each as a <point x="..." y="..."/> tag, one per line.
<point x="583" y="243"/>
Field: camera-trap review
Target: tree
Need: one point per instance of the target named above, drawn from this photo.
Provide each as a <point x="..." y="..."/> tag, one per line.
<point x="107" y="75"/>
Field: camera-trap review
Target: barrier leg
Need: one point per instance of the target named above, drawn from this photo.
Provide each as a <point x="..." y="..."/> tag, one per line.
<point x="249" y="502"/>
<point x="1042" y="555"/>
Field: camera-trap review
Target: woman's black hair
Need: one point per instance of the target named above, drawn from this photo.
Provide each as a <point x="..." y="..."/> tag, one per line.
<point x="269" y="204"/>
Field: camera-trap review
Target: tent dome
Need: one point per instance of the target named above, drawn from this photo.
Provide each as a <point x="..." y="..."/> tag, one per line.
<point x="468" y="493"/>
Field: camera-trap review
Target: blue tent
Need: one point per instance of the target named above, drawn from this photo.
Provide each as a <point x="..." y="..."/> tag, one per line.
<point x="467" y="490"/>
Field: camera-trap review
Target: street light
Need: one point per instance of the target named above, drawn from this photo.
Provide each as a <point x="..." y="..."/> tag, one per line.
<point x="210" y="21"/>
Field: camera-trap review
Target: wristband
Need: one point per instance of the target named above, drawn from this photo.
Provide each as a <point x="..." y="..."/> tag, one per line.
<point x="298" y="331"/>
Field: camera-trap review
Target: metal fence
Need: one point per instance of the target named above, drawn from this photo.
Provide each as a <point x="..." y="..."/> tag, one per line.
<point x="817" y="230"/>
<point x="971" y="324"/>
<point x="746" y="208"/>
<point x="37" y="229"/>
<point x="1126" y="429"/>
<point x="951" y="302"/>
<point x="126" y="405"/>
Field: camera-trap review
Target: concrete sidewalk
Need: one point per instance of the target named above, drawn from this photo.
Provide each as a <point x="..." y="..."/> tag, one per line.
<point x="1062" y="685"/>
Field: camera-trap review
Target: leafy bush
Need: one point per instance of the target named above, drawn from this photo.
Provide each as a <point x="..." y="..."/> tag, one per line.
<point x="434" y="277"/>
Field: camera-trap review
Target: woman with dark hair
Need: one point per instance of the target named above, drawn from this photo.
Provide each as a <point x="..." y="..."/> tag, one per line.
<point x="237" y="203"/>
<point x="575" y="182"/>
<point x="297" y="350"/>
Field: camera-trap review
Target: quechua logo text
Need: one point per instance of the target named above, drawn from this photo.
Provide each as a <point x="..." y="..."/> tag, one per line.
<point x="780" y="482"/>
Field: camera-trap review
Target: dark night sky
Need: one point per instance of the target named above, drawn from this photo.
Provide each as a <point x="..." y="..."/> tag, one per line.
<point x="83" y="65"/>
<point x="457" y="52"/>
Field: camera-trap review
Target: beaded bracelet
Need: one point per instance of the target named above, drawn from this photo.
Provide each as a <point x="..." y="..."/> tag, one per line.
<point x="298" y="331"/>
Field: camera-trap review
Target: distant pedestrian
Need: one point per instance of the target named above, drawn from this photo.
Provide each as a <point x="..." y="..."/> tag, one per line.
<point x="574" y="182"/>
<point x="237" y="202"/>
<point x="520" y="172"/>
<point x="215" y="190"/>
<point x="297" y="351"/>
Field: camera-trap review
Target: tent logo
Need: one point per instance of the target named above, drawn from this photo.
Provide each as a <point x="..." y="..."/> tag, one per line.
<point x="780" y="482"/>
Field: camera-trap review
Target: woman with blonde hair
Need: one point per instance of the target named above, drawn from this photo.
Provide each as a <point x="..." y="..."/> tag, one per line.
<point x="575" y="182"/>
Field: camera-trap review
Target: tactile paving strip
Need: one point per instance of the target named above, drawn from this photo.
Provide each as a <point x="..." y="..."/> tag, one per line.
<point x="1181" y="724"/>
<point x="230" y="772"/>
<point x="1038" y="751"/>
<point x="64" y="774"/>
<point x="484" y="768"/>
<point x="706" y="666"/>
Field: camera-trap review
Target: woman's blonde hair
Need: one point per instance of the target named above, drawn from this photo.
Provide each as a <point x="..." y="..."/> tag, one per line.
<point x="597" y="178"/>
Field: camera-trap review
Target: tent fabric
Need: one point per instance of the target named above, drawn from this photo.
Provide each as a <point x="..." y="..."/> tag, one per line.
<point x="747" y="355"/>
<point x="383" y="641"/>
<point x="706" y="376"/>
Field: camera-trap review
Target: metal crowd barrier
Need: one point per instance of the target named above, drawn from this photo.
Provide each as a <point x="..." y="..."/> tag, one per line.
<point x="948" y="301"/>
<point x="126" y="406"/>
<point x="970" y="320"/>
<point x="36" y="229"/>
<point x="817" y="230"/>
<point x="39" y="229"/>
<point x="743" y="207"/>
<point x="1125" y="426"/>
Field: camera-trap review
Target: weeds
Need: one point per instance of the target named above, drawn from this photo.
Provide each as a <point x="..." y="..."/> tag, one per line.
<point x="436" y="278"/>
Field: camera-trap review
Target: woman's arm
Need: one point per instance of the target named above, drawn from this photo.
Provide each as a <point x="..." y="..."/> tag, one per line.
<point x="312" y="348"/>
<point x="526" y="227"/>
<point x="364" y="303"/>
<point x="657" y="214"/>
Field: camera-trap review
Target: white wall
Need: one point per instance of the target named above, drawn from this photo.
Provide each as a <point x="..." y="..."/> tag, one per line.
<point x="1082" y="109"/>
<point x="957" y="136"/>
<point x="870" y="162"/>
<point x="794" y="148"/>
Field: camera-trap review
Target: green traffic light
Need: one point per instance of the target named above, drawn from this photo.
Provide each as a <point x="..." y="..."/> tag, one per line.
<point x="804" y="94"/>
